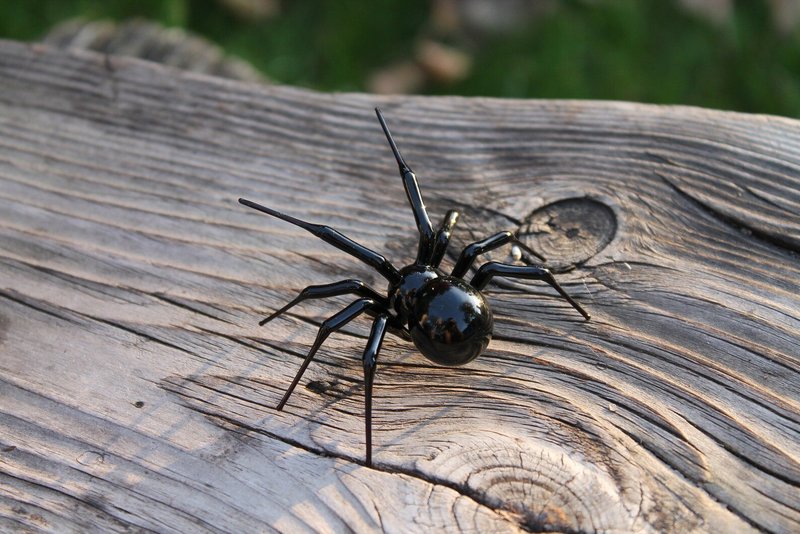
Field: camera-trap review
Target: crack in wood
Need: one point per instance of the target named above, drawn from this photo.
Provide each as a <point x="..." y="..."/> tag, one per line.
<point x="786" y="244"/>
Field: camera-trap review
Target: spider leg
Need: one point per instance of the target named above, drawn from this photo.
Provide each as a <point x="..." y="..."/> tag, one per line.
<point x="334" y="289"/>
<point x="397" y="328"/>
<point x="473" y="250"/>
<point x="426" y="235"/>
<point x="393" y="325"/>
<point x="330" y="325"/>
<point x="442" y="238"/>
<point x="338" y="240"/>
<point x="531" y="272"/>
<point x="370" y="359"/>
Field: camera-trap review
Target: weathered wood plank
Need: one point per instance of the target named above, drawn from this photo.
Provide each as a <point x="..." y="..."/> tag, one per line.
<point x="137" y="390"/>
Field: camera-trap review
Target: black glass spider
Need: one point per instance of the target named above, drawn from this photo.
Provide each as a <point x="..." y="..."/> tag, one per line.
<point x="446" y="317"/>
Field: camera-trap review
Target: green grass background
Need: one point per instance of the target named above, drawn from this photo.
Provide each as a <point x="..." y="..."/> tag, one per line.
<point x="639" y="50"/>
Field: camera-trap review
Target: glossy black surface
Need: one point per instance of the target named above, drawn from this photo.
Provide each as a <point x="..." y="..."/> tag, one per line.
<point x="370" y="361"/>
<point x="530" y="272"/>
<point x="335" y="238"/>
<point x="472" y="251"/>
<point x="442" y="239"/>
<point x="448" y="319"/>
<point x="424" y="226"/>
<point x="402" y="295"/>
<point x="452" y="323"/>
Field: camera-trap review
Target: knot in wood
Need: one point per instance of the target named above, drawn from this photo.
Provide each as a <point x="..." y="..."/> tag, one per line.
<point x="569" y="231"/>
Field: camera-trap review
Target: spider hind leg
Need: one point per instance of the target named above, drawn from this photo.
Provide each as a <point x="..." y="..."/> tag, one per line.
<point x="473" y="250"/>
<point x="530" y="272"/>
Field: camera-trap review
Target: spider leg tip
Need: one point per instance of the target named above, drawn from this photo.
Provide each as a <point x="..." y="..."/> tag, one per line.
<point x="264" y="321"/>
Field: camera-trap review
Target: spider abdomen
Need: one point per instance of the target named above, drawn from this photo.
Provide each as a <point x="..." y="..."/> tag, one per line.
<point x="451" y="323"/>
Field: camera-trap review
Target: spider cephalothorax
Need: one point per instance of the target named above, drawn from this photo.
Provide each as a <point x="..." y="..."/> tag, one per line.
<point x="447" y="317"/>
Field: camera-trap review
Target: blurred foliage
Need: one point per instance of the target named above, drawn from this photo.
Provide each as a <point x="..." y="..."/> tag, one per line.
<point x="639" y="50"/>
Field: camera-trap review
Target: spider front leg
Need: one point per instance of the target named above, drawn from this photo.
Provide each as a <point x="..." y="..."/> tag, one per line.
<point x="333" y="289"/>
<point x="370" y="359"/>
<point x="530" y="272"/>
<point x="330" y="325"/>
<point x="473" y="250"/>
<point x="335" y="238"/>
<point x="426" y="235"/>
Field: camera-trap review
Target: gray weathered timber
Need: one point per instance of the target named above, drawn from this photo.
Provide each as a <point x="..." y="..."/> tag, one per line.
<point x="138" y="391"/>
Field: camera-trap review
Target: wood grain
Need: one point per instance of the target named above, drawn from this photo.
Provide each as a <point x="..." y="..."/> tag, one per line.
<point x="138" y="392"/>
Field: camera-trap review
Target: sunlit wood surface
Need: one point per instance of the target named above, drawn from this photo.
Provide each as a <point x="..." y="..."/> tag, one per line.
<point x="138" y="391"/>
